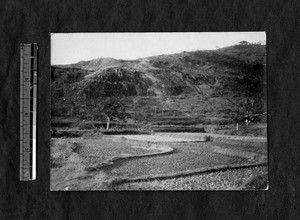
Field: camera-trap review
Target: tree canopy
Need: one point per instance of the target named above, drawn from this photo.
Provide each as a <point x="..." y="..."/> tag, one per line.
<point x="111" y="107"/>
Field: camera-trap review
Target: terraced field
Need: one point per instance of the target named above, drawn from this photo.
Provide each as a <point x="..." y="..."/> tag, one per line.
<point x="116" y="163"/>
<point x="220" y="180"/>
<point x="186" y="158"/>
<point x="90" y="152"/>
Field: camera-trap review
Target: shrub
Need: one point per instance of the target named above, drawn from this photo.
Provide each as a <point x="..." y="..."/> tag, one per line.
<point x="208" y="138"/>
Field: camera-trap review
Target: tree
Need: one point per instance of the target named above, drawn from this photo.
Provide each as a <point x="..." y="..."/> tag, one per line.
<point x="243" y="42"/>
<point x="111" y="107"/>
<point x="248" y="110"/>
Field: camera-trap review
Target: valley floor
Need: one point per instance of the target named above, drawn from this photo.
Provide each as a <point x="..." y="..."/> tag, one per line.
<point x="164" y="161"/>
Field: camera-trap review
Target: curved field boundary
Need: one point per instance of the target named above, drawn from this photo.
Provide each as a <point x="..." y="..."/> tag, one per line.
<point x="186" y="173"/>
<point x="162" y="139"/>
<point x="164" y="150"/>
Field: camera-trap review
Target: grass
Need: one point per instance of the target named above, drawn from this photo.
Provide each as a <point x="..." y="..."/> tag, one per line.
<point x="220" y="180"/>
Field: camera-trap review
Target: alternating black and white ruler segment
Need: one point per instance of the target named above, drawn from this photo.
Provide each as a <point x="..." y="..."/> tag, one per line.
<point x="28" y="110"/>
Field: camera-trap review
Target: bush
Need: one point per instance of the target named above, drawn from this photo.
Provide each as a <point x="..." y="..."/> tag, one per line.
<point x="208" y="138"/>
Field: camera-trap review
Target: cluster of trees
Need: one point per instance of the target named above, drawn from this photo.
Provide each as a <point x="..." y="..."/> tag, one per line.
<point x="249" y="110"/>
<point x="243" y="42"/>
<point x="110" y="108"/>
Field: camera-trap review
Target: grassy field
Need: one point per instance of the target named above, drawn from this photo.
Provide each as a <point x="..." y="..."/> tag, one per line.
<point x="107" y="163"/>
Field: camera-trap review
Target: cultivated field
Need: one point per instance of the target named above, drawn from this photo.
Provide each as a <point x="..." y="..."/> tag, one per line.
<point x="190" y="120"/>
<point x="162" y="161"/>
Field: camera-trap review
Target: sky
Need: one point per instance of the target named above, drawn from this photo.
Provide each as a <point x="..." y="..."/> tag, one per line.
<point x="67" y="48"/>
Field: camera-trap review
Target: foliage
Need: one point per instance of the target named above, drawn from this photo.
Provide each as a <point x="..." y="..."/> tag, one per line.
<point x="208" y="138"/>
<point x="249" y="109"/>
<point x="182" y="85"/>
<point x="243" y="42"/>
<point x="111" y="107"/>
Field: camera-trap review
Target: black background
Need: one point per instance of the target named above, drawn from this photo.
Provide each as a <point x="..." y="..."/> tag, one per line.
<point x="33" y="21"/>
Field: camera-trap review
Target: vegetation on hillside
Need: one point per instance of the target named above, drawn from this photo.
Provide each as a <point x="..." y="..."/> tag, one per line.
<point x="203" y="84"/>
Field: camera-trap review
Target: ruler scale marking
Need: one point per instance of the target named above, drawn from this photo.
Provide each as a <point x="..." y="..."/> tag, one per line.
<point x="28" y="106"/>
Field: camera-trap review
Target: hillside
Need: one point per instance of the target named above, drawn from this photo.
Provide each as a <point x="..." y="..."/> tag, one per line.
<point x="200" y="84"/>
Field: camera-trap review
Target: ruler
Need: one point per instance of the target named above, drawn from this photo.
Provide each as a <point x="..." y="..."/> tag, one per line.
<point x="28" y="110"/>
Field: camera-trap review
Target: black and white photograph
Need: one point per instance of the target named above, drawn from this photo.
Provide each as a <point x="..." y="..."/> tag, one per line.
<point x="170" y="111"/>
